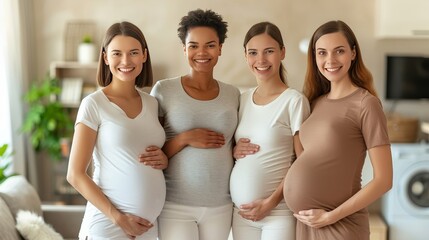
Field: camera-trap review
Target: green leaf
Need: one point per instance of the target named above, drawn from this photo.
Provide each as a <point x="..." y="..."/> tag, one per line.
<point x="3" y="149"/>
<point x="52" y="124"/>
<point x="2" y="175"/>
<point x="46" y="121"/>
<point x="4" y="161"/>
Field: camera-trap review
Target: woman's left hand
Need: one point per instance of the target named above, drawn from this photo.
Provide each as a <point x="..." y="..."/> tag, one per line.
<point x="316" y="218"/>
<point x="154" y="157"/>
<point x="256" y="210"/>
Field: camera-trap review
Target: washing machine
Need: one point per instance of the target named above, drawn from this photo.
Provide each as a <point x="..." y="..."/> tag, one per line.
<point x="405" y="207"/>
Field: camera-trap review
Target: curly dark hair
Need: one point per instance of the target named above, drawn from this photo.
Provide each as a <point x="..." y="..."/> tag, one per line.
<point x="201" y="18"/>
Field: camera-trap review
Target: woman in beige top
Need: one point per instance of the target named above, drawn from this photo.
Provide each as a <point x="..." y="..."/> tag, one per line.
<point x="323" y="186"/>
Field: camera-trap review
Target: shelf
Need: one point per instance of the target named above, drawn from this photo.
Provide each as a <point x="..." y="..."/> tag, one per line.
<point x="73" y="65"/>
<point x="79" y="77"/>
<point x="86" y="71"/>
<point x="77" y="80"/>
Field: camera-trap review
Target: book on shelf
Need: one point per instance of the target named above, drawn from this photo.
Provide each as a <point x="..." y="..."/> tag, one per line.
<point x="71" y="91"/>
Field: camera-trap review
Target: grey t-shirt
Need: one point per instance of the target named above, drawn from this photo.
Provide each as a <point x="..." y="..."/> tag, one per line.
<point x="196" y="176"/>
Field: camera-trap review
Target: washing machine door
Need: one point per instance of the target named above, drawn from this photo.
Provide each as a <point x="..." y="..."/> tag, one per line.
<point x="414" y="189"/>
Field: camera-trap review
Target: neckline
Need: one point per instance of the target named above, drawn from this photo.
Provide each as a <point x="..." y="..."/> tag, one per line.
<point x="343" y="98"/>
<point x="272" y="102"/>
<point x="114" y="105"/>
<point x="182" y="87"/>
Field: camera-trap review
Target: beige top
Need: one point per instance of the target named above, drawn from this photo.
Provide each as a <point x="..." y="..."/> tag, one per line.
<point x="335" y="138"/>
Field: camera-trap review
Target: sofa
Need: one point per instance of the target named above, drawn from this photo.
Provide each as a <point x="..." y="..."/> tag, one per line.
<point x="16" y="193"/>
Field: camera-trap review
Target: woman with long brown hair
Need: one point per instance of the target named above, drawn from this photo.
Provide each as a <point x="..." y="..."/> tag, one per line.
<point x="323" y="186"/>
<point x="125" y="194"/>
<point x="270" y="117"/>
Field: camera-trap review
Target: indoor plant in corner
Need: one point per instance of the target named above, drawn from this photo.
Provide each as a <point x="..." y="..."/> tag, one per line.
<point x="47" y="122"/>
<point x="5" y="162"/>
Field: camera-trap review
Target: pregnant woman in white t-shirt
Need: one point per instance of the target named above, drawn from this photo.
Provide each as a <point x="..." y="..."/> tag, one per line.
<point x="270" y="116"/>
<point x="113" y="125"/>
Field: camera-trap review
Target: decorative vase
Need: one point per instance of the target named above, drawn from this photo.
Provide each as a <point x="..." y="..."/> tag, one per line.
<point x="86" y="53"/>
<point x="65" y="146"/>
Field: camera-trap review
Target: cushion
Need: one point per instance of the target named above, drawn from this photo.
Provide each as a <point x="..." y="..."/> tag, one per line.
<point x="32" y="227"/>
<point x="18" y="194"/>
<point x="7" y="223"/>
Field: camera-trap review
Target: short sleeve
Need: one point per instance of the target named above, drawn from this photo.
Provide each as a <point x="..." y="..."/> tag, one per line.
<point x="298" y="112"/>
<point x="88" y="113"/>
<point x="157" y="93"/>
<point x="374" y="123"/>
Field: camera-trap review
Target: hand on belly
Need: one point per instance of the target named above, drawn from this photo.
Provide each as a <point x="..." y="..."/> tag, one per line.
<point x="315" y="218"/>
<point x="256" y="210"/>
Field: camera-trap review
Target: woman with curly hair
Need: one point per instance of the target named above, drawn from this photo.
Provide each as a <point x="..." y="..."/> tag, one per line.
<point x="199" y="115"/>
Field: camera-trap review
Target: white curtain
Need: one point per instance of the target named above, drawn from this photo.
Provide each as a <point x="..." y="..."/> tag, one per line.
<point x="16" y="40"/>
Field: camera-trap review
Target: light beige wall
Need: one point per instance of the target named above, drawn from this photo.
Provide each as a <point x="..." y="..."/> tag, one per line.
<point x="159" y="19"/>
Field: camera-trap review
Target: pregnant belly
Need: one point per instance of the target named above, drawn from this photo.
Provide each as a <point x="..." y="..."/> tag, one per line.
<point x="251" y="181"/>
<point x="140" y="191"/>
<point x="309" y="186"/>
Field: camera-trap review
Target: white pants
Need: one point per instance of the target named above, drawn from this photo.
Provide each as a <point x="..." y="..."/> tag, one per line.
<point x="181" y="222"/>
<point x="279" y="225"/>
<point x="152" y="234"/>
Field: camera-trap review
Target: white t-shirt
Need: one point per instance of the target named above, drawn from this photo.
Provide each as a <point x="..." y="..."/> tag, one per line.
<point x="130" y="185"/>
<point x="272" y="127"/>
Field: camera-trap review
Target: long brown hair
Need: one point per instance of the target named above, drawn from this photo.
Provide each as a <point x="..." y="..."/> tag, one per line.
<point x="104" y="76"/>
<point x="315" y="83"/>
<point x="274" y="32"/>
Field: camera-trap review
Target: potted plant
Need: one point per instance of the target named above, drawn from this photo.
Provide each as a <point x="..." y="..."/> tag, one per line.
<point x="4" y="162"/>
<point x="86" y="50"/>
<point x="47" y="121"/>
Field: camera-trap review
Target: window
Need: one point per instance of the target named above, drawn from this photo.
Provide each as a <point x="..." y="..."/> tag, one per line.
<point x="13" y="77"/>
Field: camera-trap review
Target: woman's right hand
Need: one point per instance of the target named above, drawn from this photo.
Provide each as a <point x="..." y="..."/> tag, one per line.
<point x="132" y="225"/>
<point x="244" y="147"/>
<point x="197" y="138"/>
<point x="204" y="138"/>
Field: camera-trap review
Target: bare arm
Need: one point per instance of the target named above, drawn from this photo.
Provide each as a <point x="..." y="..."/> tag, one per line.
<point x="80" y="158"/>
<point x="297" y="146"/>
<point x="381" y="161"/>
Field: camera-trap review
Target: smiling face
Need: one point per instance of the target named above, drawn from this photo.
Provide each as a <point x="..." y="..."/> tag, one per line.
<point x="334" y="56"/>
<point x="125" y="58"/>
<point x="264" y="56"/>
<point x="202" y="49"/>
